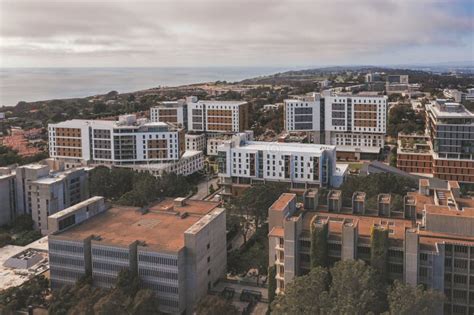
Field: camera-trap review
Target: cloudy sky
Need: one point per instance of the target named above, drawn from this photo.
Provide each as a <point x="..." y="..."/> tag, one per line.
<point x="90" y="33"/>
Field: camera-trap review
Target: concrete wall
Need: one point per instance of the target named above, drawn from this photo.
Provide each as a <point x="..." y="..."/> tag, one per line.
<point x="206" y="255"/>
<point x="7" y="198"/>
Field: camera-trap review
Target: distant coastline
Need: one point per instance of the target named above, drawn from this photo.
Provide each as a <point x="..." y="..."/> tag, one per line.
<point x="38" y="84"/>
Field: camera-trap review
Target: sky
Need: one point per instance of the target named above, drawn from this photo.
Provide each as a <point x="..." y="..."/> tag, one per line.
<point x="203" y="33"/>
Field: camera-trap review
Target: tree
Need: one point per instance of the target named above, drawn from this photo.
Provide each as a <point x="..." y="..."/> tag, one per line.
<point x="32" y="292"/>
<point x="145" y="302"/>
<point x="379" y="251"/>
<point x="404" y="299"/>
<point x="319" y="246"/>
<point x="256" y="200"/>
<point x="99" y="107"/>
<point x="355" y="289"/>
<point x="305" y="295"/>
<point x="214" y="305"/>
<point x="271" y="283"/>
<point x="211" y="189"/>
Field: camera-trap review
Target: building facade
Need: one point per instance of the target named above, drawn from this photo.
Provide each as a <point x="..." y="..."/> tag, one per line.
<point x="126" y="141"/>
<point x="36" y="190"/>
<point x="173" y="112"/>
<point x="430" y="237"/>
<point x="217" y="116"/>
<point x="357" y="124"/>
<point x="242" y="162"/>
<point x="450" y="127"/>
<point x="177" y="248"/>
<point x="195" y="142"/>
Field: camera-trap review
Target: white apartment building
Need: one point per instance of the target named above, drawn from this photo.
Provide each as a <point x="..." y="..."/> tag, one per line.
<point x="173" y="112"/>
<point x="126" y="141"/>
<point x="217" y="116"/>
<point x="355" y="123"/>
<point x="195" y="142"/>
<point x="214" y="142"/>
<point x="299" y="165"/>
<point x="191" y="162"/>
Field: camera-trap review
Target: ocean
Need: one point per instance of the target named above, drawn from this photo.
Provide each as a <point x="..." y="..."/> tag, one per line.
<point x="38" y="84"/>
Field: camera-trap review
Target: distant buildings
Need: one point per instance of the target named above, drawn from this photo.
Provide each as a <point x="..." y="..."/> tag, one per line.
<point x="217" y="116"/>
<point x="355" y="123"/>
<point x="174" y="112"/>
<point x="447" y="148"/>
<point x="203" y="115"/>
<point x="126" y="141"/>
<point x="430" y="237"/>
<point x="450" y="127"/>
<point x="35" y="190"/>
<point x="242" y="163"/>
<point x="176" y="247"/>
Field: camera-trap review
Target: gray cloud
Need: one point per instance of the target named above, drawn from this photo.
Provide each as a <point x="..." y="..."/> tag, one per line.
<point x="225" y="32"/>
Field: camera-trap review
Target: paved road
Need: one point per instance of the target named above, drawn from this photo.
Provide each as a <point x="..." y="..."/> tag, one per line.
<point x="203" y="189"/>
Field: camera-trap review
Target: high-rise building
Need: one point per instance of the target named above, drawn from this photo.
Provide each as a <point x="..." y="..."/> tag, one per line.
<point x="176" y="247"/>
<point x="355" y="123"/>
<point x="429" y="236"/>
<point x="242" y="162"/>
<point x="7" y="196"/>
<point x="173" y="112"/>
<point x="126" y="141"/>
<point x="217" y="116"/>
<point x="447" y="148"/>
<point x="35" y="190"/>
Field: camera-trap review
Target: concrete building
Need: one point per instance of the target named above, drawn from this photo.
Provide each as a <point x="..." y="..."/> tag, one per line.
<point x="217" y="116"/>
<point x="355" y="123"/>
<point x="174" y="112"/>
<point x="76" y="214"/>
<point x="50" y="194"/>
<point x="242" y="163"/>
<point x="36" y="190"/>
<point x="430" y="238"/>
<point x="176" y="247"/>
<point x="7" y="196"/>
<point x="470" y="95"/>
<point x="456" y="95"/>
<point x="126" y="141"/>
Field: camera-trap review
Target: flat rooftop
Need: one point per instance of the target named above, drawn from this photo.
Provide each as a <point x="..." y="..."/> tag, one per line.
<point x="283" y="147"/>
<point x="231" y="103"/>
<point x="396" y="227"/>
<point x="161" y="228"/>
<point x="449" y="110"/>
<point x="281" y="203"/>
<point x="76" y="207"/>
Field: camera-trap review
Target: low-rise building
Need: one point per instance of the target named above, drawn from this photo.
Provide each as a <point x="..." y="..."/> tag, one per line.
<point x="191" y="162"/>
<point x="430" y="237"/>
<point x="414" y="154"/>
<point x="176" y="247"/>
